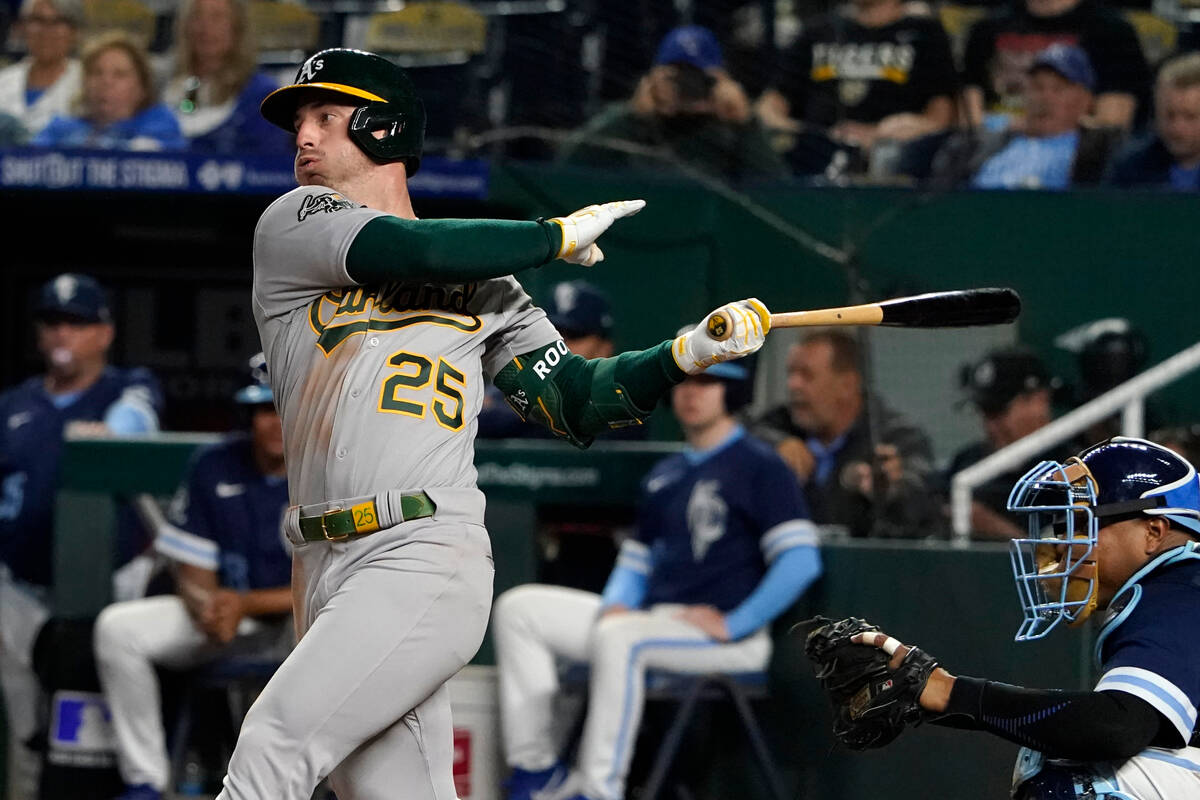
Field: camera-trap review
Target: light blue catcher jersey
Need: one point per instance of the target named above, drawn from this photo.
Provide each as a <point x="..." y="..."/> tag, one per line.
<point x="1150" y="645"/>
<point x="714" y="521"/>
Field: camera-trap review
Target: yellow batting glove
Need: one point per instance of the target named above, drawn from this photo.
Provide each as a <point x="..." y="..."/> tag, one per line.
<point x="581" y="229"/>
<point x="749" y="321"/>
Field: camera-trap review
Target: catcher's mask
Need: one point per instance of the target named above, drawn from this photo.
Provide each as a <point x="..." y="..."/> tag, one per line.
<point x="388" y="125"/>
<point x="1067" y="503"/>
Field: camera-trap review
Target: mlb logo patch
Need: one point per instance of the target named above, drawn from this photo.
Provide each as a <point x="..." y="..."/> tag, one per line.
<point x="81" y="722"/>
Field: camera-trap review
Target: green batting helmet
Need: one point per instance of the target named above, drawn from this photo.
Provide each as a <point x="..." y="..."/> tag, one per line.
<point x="390" y="102"/>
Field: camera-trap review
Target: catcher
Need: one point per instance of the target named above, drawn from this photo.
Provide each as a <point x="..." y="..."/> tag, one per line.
<point x="1130" y="510"/>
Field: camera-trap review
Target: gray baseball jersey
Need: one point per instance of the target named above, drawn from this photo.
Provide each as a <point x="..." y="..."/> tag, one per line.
<point x="378" y="387"/>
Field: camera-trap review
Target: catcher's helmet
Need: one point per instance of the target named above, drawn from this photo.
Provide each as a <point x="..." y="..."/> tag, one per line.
<point x="1120" y="478"/>
<point x="257" y="390"/>
<point x="389" y="102"/>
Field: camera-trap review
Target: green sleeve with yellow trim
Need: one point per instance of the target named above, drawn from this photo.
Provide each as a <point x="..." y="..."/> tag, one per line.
<point x="577" y="398"/>
<point x="390" y="248"/>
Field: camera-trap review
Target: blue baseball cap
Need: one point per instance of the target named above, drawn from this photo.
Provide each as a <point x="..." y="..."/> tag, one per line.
<point x="258" y="390"/>
<point x="690" y="44"/>
<point x="577" y="308"/>
<point x="73" y="294"/>
<point x="1069" y="61"/>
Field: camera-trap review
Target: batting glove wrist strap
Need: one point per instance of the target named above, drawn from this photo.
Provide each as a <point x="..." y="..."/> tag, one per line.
<point x="696" y="350"/>
<point x="581" y="229"/>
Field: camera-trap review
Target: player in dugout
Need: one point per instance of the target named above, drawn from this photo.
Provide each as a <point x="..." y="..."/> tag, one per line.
<point x="79" y="392"/>
<point x="723" y="545"/>
<point x="1115" y="529"/>
<point x="231" y="567"/>
<point x="381" y="330"/>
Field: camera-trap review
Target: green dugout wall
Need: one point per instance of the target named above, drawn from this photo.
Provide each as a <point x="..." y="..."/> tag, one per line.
<point x="959" y="604"/>
<point x="1074" y="257"/>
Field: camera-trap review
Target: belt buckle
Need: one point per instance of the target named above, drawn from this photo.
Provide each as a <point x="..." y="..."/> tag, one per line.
<point x="325" y="530"/>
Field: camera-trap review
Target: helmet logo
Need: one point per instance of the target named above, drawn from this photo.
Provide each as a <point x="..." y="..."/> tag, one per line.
<point x="65" y="287"/>
<point x="309" y="69"/>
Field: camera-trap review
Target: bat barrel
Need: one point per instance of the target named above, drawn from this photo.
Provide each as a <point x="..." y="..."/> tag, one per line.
<point x="958" y="309"/>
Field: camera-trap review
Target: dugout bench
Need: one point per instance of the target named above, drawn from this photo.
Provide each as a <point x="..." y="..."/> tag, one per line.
<point x="957" y="603"/>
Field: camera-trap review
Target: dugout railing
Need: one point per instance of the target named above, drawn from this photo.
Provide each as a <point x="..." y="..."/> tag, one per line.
<point x="957" y="602"/>
<point x="1128" y="399"/>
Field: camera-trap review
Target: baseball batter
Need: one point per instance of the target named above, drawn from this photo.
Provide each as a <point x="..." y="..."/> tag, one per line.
<point x="380" y="330"/>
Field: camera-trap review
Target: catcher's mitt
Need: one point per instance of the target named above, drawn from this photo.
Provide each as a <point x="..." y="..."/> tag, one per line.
<point x="872" y="703"/>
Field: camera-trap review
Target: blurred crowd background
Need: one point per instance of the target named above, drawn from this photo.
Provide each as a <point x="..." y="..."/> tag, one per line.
<point x="1020" y="94"/>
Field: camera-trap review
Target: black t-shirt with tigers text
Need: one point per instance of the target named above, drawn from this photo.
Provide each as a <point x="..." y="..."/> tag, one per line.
<point x="840" y="70"/>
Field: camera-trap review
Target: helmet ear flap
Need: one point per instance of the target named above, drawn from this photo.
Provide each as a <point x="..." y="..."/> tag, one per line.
<point x="390" y="135"/>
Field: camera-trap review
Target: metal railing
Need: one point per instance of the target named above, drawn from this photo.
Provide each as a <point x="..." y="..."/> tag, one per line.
<point x="1128" y="398"/>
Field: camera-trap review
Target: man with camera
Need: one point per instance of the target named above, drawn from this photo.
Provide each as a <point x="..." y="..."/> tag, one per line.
<point x="686" y="111"/>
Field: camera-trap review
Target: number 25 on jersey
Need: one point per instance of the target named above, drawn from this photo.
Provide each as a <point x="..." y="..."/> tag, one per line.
<point x="413" y="373"/>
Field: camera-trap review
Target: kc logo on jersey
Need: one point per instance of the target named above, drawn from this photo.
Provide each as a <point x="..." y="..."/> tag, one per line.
<point x="706" y="514"/>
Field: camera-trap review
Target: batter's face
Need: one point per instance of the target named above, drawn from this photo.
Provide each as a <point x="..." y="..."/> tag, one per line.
<point x="71" y="346"/>
<point x="698" y="402"/>
<point x="325" y="153"/>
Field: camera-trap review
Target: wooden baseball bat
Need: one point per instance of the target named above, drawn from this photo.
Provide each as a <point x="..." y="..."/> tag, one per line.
<point x="954" y="309"/>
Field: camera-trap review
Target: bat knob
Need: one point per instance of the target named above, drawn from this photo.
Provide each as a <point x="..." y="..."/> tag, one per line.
<point x="718" y="327"/>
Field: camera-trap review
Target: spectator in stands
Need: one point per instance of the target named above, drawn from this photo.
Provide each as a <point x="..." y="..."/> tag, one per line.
<point x="1169" y="156"/>
<point x="1001" y="47"/>
<point x="42" y="84"/>
<point x="119" y="108"/>
<point x="1013" y="391"/>
<point x="232" y="571"/>
<point x="870" y="476"/>
<point x="880" y="70"/>
<point x="583" y="315"/>
<point x="722" y="546"/>
<point x="78" y="393"/>
<point x="1108" y="352"/>
<point x="685" y="110"/>
<point x="1055" y="148"/>
<point x="216" y="86"/>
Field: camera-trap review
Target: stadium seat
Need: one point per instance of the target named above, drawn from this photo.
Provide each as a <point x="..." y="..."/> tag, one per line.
<point x="957" y="21"/>
<point x="132" y="16"/>
<point x="686" y="692"/>
<point x="1157" y="35"/>
<point x="286" y="32"/>
<point x="442" y="45"/>
<point x="239" y="678"/>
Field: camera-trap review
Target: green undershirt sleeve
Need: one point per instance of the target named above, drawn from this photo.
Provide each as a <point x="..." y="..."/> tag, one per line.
<point x="577" y="398"/>
<point x="390" y="248"/>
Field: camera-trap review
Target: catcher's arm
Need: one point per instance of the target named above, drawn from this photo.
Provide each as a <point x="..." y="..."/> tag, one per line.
<point x="1086" y="726"/>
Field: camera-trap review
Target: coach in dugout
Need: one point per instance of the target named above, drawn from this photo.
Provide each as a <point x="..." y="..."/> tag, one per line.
<point x="879" y="488"/>
<point x="78" y="392"/>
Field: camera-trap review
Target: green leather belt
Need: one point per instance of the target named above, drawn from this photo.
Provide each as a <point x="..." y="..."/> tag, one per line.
<point x="361" y="519"/>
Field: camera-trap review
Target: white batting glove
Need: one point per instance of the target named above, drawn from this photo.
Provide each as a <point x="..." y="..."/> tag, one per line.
<point x="581" y="229"/>
<point x="696" y="350"/>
